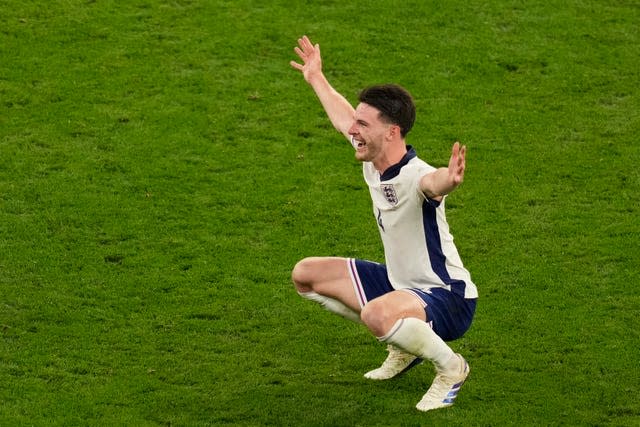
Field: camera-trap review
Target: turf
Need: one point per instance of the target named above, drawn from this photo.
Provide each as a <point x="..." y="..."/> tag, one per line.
<point x="163" y="168"/>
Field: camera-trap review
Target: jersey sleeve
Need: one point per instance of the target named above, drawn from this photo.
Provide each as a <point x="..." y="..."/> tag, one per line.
<point x="421" y="171"/>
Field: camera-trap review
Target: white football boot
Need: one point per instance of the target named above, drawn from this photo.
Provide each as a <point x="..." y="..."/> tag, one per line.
<point x="396" y="363"/>
<point x="445" y="388"/>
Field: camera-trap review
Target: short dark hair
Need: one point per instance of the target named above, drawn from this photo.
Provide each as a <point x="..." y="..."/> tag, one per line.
<point x="394" y="103"/>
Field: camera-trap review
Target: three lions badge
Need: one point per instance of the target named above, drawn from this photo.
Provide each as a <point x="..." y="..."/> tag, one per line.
<point x="389" y="193"/>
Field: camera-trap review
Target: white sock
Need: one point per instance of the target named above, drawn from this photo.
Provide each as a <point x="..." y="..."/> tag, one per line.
<point x="416" y="337"/>
<point x="332" y="305"/>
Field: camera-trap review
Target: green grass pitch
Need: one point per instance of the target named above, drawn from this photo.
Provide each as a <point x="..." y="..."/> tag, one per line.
<point x="162" y="168"/>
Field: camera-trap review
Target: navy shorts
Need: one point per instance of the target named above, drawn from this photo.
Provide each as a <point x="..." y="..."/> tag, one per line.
<point x="448" y="314"/>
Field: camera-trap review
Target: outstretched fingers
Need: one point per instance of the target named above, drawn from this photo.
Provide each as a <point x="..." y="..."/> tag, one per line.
<point x="457" y="162"/>
<point x="309" y="54"/>
<point x="297" y="66"/>
<point x="301" y="55"/>
<point x="302" y="50"/>
<point x="305" y="43"/>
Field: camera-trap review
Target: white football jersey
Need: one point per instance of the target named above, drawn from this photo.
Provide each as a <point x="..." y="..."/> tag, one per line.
<point x="419" y="250"/>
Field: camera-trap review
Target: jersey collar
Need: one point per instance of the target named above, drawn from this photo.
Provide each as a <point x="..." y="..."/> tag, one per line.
<point x="394" y="170"/>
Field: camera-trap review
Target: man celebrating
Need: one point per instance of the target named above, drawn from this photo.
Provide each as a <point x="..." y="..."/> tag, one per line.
<point x="422" y="296"/>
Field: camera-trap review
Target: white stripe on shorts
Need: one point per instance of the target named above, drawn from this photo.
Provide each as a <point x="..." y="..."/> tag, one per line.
<point x="355" y="280"/>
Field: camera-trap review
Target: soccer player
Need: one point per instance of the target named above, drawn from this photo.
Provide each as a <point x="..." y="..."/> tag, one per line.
<point x="422" y="296"/>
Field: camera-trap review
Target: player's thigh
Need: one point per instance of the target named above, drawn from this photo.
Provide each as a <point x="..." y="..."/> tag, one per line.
<point x="328" y="276"/>
<point x="313" y="273"/>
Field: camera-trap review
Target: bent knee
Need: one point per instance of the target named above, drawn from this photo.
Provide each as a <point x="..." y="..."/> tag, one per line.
<point x="376" y="316"/>
<point x="302" y="276"/>
<point x="379" y="317"/>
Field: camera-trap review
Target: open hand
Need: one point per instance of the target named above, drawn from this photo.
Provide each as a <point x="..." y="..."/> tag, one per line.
<point x="457" y="164"/>
<point x="310" y="56"/>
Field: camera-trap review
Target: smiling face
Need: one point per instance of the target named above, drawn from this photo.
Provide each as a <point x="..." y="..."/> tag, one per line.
<point x="369" y="134"/>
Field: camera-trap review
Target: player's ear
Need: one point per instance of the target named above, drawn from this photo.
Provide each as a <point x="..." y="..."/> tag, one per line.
<point x="393" y="131"/>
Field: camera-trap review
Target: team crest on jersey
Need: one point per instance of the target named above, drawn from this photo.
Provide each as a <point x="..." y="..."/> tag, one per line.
<point x="390" y="193"/>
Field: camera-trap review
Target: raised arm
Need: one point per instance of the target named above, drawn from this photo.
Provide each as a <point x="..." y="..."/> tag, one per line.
<point x="339" y="110"/>
<point x="444" y="180"/>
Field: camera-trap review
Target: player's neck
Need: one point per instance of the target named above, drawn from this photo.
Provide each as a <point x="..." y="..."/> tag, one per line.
<point x="392" y="155"/>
